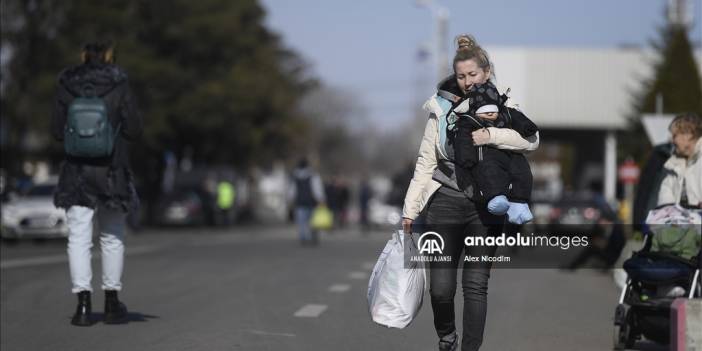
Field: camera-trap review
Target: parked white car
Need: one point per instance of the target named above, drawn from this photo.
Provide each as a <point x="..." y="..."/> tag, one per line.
<point x="34" y="215"/>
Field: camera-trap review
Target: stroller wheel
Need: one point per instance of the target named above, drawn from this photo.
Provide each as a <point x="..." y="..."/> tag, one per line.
<point x="620" y="336"/>
<point x="623" y="336"/>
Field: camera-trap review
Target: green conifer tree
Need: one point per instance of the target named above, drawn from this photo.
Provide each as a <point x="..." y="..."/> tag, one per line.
<point x="676" y="80"/>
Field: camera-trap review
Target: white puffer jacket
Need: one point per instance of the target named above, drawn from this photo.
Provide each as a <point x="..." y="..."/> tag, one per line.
<point x="422" y="186"/>
<point x="677" y="169"/>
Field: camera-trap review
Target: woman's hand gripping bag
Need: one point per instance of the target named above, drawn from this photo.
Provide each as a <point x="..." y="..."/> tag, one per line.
<point x="396" y="290"/>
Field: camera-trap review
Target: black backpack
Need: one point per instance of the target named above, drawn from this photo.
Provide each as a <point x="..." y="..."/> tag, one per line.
<point x="88" y="132"/>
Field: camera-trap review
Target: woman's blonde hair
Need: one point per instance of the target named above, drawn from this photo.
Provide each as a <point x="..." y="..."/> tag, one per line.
<point x="687" y="123"/>
<point x="467" y="48"/>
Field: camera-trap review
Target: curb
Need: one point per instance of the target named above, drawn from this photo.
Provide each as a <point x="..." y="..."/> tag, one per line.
<point x="686" y="322"/>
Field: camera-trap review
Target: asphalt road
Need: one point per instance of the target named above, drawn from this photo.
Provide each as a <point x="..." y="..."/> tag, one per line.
<point x="255" y="288"/>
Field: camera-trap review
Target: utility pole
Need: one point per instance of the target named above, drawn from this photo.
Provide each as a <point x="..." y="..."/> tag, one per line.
<point x="680" y="12"/>
<point x="422" y="79"/>
<point x="610" y="184"/>
<point x="442" y="41"/>
<point x="441" y="16"/>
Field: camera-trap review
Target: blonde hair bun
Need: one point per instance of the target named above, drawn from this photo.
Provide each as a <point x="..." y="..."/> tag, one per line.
<point x="467" y="48"/>
<point x="465" y="42"/>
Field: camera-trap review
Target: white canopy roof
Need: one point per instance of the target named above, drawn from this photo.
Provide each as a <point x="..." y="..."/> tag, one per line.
<point x="574" y="88"/>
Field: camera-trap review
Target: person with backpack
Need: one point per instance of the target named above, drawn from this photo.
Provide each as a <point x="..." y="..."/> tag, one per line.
<point x="448" y="199"/>
<point x="306" y="193"/>
<point x="95" y="117"/>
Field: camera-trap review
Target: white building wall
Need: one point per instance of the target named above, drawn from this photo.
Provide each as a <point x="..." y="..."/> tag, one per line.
<point x="574" y="88"/>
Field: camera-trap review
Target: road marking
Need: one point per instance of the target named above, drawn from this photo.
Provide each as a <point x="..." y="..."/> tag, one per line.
<point x="38" y="261"/>
<point x="142" y="249"/>
<point x="25" y="262"/>
<point x="368" y="265"/>
<point x="261" y="332"/>
<point x="339" y="288"/>
<point x="311" y="310"/>
<point x="358" y="275"/>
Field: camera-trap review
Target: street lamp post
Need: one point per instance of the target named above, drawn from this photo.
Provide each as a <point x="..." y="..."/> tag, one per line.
<point x="441" y="16"/>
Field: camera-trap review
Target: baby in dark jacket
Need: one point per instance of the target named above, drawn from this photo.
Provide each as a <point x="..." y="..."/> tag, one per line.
<point x="503" y="177"/>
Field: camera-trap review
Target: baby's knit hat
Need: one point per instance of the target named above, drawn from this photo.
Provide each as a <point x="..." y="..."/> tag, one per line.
<point x="485" y="98"/>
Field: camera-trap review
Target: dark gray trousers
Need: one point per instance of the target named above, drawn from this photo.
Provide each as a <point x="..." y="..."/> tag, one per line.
<point x="454" y="217"/>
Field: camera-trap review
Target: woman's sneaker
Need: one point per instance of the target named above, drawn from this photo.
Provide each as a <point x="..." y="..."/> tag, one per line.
<point x="449" y="342"/>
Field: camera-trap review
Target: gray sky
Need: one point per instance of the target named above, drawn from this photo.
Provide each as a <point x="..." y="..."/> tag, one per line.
<point x="369" y="47"/>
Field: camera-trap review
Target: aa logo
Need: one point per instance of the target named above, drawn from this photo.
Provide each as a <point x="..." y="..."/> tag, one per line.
<point x="431" y="243"/>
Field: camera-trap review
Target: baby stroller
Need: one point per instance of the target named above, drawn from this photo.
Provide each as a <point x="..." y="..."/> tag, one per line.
<point x="666" y="268"/>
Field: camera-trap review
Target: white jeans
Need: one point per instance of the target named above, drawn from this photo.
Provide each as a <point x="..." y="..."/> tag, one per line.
<point x="110" y="223"/>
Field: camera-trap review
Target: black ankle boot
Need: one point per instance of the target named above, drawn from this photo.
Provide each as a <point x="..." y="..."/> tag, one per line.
<point x="82" y="318"/>
<point x="115" y="311"/>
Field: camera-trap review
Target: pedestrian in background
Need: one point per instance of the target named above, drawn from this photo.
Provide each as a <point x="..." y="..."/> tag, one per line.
<point x="683" y="170"/>
<point x="365" y="194"/>
<point x="97" y="188"/>
<point x="226" y="195"/>
<point x="306" y="192"/>
<point x="650" y="181"/>
<point x="344" y="201"/>
<point x="333" y="196"/>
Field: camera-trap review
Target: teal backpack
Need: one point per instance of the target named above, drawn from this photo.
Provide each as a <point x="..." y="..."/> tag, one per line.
<point x="88" y="132"/>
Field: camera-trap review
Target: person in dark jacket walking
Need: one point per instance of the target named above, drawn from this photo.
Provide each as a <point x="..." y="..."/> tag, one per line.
<point x="650" y="181"/>
<point x="365" y="194"/>
<point x="306" y="193"/>
<point x="97" y="188"/>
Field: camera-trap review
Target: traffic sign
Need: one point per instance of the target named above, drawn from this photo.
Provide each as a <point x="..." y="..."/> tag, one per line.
<point x="629" y="172"/>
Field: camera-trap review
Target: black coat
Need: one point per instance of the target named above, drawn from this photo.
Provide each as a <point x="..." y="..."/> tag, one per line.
<point x="466" y="154"/>
<point x="84" y="182"/>
<point x="493" y="169"/>
<point x="650" y="183"/>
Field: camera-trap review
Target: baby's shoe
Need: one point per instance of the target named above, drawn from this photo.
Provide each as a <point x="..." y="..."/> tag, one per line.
<point x="498" y="205"/>
<point x="519" y="213"/>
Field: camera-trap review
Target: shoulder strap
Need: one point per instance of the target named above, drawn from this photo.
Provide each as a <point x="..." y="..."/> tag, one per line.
<point x="88" y="90"/>
<point x="449" y="96"/>
<point x="509" y="117"/>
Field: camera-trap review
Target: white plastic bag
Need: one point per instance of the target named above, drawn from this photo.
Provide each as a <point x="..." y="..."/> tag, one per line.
<point x="395" y="291"/>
